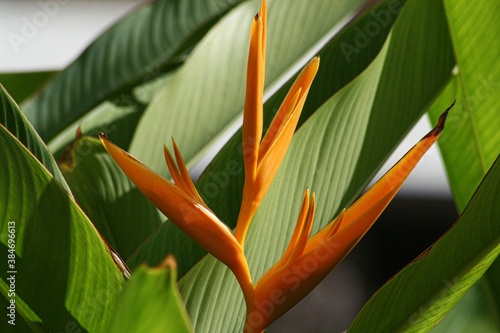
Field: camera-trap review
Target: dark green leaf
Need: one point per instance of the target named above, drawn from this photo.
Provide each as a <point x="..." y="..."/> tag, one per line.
<point x="122" y="214"/>
<point x="23" y="85"/>
<point x="65" y="277"/>
<point x="15" y="121"/>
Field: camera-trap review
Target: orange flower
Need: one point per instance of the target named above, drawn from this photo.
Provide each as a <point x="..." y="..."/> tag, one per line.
<point x="262" y="159"/>
<point x="307" y="261"/>
<point x="182" y="204"/>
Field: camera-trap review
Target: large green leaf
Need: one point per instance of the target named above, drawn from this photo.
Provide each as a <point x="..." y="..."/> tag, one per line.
<point x="206" y="95"/>
<point x="222" y="182"/>
<point x="15" y="121"/>
<point x="65" y="277"/>
<point x="472" y="142"/>
<point x="334" y="153"/>
<point x="420" y="296"/>
<point x="150" y="302"/>
<point x="122" y="214"/>
<point x="136" y="49"/>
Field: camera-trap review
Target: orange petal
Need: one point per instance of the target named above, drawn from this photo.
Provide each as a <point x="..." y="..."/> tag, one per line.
<point x="280" y="133"/>
<point x="298" y="234"/>
<point x="252" y="115"/>
<point x="196" y="220"/>
<point x="363" y="213"/>
<point x="263" y="17"/>
<point x="189" y="185"/>
<point x="277" y="286"/>
<point x="301" y="85"/>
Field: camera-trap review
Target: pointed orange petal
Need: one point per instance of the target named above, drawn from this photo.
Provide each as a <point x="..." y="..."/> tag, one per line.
<point x="252" y="123"/>
<point x="281" y="119"/>
<point x="301" y="85"/>
<point x="274" y="285"/>
<point x="298" y="233"/>
<point x="197" y="221"/>
<point x="263" y="17"/>
<point x="172" y="168"/>
<point x="363" y="213"/>
<point x="335" y="224"/>
<point x="306" y="230"/>
<point x="270" y="156"/>
<point x="189" y="185"/>
<point x="252" y="115"/>
<point x="299" y="226"/>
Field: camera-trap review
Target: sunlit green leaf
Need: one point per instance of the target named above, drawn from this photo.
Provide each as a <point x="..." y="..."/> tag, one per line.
<point x="472" y="142"/>
<point x="206" y="95"/>
<point x="150" y="302"/>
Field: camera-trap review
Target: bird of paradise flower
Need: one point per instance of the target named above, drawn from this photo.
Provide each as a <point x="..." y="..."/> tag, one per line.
<point x="182" y="204"/>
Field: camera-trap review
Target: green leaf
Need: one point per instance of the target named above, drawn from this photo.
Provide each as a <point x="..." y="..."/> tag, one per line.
<point x="168" y="239"/>
<point x="15" y="121"/>
<point x="471" y="314"/>
<point x="472" y="141"/>
<point x="136" y="49"/>
<point x="419" y="296"/>
<point x="150" y="302"/>
<point x="334" y="153"/>
<point x="23" y="85"/>
<point x="55" y="245"/>
<point x="122" y="214"/>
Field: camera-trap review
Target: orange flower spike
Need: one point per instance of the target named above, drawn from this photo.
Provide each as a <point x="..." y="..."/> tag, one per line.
<point x="182" y="204"/>
<point x="262" y="160"/>
<point x="303" y="267"/>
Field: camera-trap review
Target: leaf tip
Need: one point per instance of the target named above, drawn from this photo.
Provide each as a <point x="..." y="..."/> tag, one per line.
<point x="169" y="262"/>
<point x="442" y="119"/>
